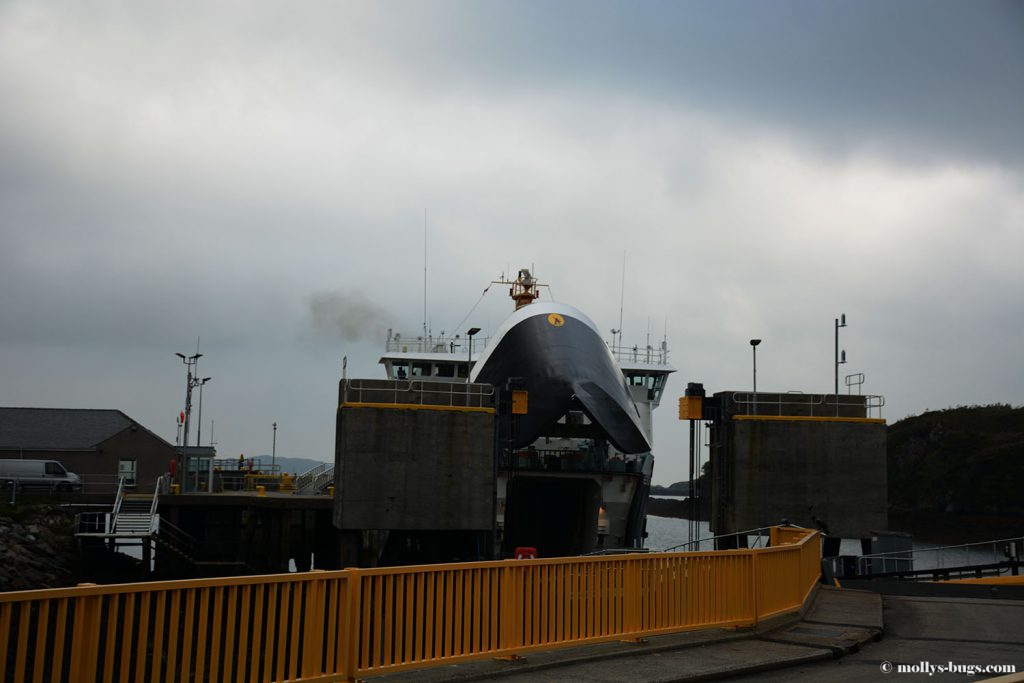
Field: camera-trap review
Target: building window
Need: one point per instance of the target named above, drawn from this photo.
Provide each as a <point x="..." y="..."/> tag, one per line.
<point x="126" y="470"/>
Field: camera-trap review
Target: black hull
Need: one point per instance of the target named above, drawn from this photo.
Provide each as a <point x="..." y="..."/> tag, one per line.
<point x="557" y="355"/>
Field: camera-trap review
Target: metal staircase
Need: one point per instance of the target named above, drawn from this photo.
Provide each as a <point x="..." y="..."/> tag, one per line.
<point x="133" y="528"/>
<point x="136" y="515"/>
<point x="315" y="481"/>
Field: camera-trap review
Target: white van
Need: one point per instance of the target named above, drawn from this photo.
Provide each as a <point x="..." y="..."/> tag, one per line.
<point x="38" y="474"/>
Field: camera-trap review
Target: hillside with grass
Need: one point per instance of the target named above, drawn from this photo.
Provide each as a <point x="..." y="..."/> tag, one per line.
<point x="964" y="460"/>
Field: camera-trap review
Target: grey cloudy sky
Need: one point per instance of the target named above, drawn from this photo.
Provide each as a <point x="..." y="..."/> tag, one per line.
<point x="243" y="171"/>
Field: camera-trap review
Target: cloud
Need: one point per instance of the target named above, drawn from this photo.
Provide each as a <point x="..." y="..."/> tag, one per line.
<point x="175" y="171"/>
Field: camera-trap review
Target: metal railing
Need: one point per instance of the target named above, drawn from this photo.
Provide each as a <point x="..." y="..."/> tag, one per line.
<point x="419" y="392"/>
<point x="431" y="344"/>
<point x="314" y="480"/>
<point x="796" y="403"/>
<point x="100" y="483"/>
<point x="118" y="500"/>
<point x="652" y="355"/>
<point x="942" y="560"/>
<point x="762" y="538"/>
<point x="340" y="625"/>
<point x="153" y="505"/>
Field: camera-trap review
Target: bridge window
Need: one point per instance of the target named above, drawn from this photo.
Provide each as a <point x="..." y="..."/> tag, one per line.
<point x="421" y="369"/>
<point x="399" y="370"/>
<point x="444" y="370"/>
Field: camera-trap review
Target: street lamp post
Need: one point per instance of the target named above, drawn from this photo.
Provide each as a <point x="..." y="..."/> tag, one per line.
<point x="840" y="356"/>
<point x="840" y="322"/>
<point x="469" y="360"/>
<point x="273" y="451"/>
<point x="753" y="347"/>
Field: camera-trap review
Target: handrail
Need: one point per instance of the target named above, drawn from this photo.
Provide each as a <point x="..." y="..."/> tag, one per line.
<point x="771" y="402"/>
<point x="431" y="344"/>
<point x="308" y="477"/>
<point x="760" y="532"/>
<point x="356" y="623"/>
<point x="177" y="537"/>
<point x="864" y="561"/>
<point x="652" y="355"/>
<point x="154" y="504"/>
<point x="118" y="499"/>
<point x="417" y="392"/>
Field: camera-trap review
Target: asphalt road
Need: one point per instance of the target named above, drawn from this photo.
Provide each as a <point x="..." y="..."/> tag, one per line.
<point x="938" y="631"/>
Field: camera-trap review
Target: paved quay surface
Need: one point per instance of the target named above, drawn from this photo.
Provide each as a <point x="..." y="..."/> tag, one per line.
<point x="837" y="622"/>
<point x="938" y="631"/>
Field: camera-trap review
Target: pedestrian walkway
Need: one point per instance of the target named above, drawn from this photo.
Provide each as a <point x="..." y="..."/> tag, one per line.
<point x="837" y="622"/>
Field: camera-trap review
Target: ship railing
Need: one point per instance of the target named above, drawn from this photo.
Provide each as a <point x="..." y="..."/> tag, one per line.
<point x="418" y="392"/>
<point x="357" y="623"/>
<point x="940" y="559"/>
<point x="652" y="355"/>
<point x="797" y="403"/>
<point x="431" y="344"/>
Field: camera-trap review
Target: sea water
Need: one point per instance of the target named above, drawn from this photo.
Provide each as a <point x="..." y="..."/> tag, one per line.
<point x="669" y="532"/>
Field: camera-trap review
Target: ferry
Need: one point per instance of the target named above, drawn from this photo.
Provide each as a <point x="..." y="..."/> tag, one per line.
<point x="580" y="458"/>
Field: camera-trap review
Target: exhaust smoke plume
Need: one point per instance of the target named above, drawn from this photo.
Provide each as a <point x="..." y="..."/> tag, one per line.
<point x="346" y="315"/>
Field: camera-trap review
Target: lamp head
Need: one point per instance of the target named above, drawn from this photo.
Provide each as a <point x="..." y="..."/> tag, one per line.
<point x="755" y="342"/>
<point x="472" y="331"/>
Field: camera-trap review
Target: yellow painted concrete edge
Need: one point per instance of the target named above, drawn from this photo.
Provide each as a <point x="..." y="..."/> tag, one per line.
<point x="808" y="418"/>
<point x="991" y="581"/>
<point x="417" y="406"/>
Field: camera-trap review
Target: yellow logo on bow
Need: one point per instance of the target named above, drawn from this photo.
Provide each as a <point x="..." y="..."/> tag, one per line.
<point x="556" y="320"/>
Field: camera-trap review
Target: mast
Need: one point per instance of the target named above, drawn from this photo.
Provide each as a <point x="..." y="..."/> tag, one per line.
<point x="524" y="290"/>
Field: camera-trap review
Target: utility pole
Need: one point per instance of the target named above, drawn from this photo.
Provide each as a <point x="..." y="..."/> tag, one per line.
<point x="753" y="347"/>
<point x="840" y="358"/>
<point x="840" y="322"/>
<point x="190" y="363"/>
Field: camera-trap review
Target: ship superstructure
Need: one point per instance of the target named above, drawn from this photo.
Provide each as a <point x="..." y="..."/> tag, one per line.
<point x="574" y="469"/>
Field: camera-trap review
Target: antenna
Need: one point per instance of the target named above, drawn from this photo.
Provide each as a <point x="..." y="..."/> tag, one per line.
<point x="622" y="294"/>
<point x="424" y="273"/>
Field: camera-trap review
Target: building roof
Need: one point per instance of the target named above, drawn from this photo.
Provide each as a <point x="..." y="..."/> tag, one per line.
<point x="39" y="429"/>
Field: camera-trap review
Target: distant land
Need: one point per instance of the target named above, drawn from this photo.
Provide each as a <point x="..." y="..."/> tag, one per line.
<point x="680" y="488"/>
<point x="955" y="474"/>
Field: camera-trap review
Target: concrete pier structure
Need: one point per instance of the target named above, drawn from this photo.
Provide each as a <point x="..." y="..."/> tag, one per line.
<point x="415" y="471"/>
<point x="816" y="460"/>
<point x="240" y="533"/>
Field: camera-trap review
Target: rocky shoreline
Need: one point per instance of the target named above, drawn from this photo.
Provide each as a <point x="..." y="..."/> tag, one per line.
<point x="37" y="548"/>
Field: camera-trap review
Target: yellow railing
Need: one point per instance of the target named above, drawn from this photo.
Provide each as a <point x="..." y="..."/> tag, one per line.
<point x="337" y="625"/>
